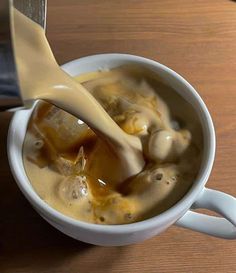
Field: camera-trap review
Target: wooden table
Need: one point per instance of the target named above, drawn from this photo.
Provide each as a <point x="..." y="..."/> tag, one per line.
<point x="197" y="38"/>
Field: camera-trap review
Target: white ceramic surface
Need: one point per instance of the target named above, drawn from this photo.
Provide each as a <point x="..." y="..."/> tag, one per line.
<point x="180" y="214"/>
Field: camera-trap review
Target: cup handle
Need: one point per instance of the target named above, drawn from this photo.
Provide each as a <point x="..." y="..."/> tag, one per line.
<point x="219" y="202"/>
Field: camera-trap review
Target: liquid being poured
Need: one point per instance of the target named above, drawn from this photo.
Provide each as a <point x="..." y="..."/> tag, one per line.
<point x="40" y="77"/>
<point x="101" y="177"/>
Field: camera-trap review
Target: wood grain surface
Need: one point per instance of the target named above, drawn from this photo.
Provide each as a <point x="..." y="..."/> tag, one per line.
<point x="197" y="39"/>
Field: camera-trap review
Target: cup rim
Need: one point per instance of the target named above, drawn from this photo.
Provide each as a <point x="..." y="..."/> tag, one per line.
<point x="178" y="209"/>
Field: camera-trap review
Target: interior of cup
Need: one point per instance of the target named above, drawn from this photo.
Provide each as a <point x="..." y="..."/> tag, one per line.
<point x="185" y="96"/>
<point x="184" y="102"/>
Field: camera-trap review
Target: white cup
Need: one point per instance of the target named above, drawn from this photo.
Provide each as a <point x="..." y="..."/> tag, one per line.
<point x="180" y="214"/>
